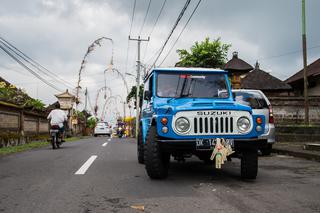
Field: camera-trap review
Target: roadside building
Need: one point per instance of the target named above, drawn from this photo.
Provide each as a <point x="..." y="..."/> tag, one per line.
<point x="296" y="80"/>
<point x="268" y="84"/>
<point x="237" y="68"/>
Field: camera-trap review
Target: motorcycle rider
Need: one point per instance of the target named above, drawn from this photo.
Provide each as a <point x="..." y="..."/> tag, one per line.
<point x="58" y="117"/>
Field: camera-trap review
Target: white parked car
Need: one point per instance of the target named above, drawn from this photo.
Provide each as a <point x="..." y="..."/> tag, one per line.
<point x="102" y="128"/>
<point x="260" y="105"/>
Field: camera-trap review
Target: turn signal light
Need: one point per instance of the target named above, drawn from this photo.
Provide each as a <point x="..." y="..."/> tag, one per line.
<point x="259" y="120"/>
<point x="164" y="121"/>
<point x="165" y="129"/>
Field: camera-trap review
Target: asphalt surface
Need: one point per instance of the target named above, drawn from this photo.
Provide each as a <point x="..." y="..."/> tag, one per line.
<point x="45" y="180"/>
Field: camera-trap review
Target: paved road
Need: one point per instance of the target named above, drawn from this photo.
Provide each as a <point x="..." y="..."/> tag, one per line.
<point x="44" y="180"/>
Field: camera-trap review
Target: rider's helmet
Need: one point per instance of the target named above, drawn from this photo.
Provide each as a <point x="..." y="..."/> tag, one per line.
<point x="57" y="105"/>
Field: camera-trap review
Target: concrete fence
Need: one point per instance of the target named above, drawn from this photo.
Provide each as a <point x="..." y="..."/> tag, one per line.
<point x="290" y="110"/>
<point x="18" y="126"/>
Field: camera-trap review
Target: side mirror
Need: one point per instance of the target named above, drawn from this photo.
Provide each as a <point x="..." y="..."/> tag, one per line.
<point x="147" y="95"/>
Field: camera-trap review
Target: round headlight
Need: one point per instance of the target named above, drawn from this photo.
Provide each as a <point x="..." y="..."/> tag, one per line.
<point x="182" y="124"/>
<point x="243" y="124"/>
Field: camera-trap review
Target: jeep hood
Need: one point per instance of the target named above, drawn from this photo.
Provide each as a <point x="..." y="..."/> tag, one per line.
<point x="171" y="106"/>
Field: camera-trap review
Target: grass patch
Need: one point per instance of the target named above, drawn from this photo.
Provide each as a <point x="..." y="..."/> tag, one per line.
<point x="72" y="139"/>
<point x="23" y="147"/>
<point x="28" y="146"/>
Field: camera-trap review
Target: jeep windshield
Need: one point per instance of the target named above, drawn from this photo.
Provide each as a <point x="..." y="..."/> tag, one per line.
<point x="202" y="85"/>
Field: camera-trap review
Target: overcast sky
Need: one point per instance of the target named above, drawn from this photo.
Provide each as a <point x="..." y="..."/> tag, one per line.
<point x="57" y="33"/>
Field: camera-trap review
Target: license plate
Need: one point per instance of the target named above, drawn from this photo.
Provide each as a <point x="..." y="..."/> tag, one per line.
<point x="230" y="142"/>
<point x="205" y="144"/>
<point x="209" y="144"/>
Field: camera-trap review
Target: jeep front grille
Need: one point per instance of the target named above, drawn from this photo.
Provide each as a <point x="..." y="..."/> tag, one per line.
<point x="212" y="122"/>
<point x="213" y="125"/>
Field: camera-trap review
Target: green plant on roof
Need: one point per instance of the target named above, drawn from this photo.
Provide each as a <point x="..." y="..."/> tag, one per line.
<point x="35" y="104"/>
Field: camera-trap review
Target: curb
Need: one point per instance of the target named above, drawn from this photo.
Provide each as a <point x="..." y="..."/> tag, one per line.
<point x="308" y="156"/>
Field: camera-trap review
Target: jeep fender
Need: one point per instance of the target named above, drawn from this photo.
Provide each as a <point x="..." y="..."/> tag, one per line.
<point x="145" y="124"/>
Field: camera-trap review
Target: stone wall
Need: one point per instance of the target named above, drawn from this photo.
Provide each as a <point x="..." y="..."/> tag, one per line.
<point x="290" y="110"/>
<point x="18" y="126"/>
<point x="297" y="134"/>
<point x="30" y="124"/>
<point x="9" y="120"/>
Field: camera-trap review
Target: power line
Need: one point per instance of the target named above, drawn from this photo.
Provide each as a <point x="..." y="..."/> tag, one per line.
<point x="153" y="27"/>
<point x="153" y="56"/>
<point x="33" y="63"/>
<point x="172" y="30"/>
<point x="284" y="54"/>
<point x="145" y="17"/>
<point x="184" y="27"/>
<point x="29" y="69"/>
<point x="14" y="70"/>
<point x="155" y="23"/>
<point x="132" y="19"/>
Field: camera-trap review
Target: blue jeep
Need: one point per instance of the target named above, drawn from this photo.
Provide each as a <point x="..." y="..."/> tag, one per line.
<point x="184" y="111"/>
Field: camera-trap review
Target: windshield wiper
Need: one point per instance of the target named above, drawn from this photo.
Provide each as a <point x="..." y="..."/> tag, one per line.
<point x="178" y="97"/>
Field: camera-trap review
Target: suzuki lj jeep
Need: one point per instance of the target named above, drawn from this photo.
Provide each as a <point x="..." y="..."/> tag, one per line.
<point x="185" y="111"/>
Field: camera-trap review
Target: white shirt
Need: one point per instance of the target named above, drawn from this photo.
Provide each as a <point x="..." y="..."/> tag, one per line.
<point x="57" y="117"/>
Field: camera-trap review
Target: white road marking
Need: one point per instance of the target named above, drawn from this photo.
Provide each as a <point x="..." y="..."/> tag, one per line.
<point x="109" y="139"/>
<point x="105" y="144"/>
<point x="86" y="165"/>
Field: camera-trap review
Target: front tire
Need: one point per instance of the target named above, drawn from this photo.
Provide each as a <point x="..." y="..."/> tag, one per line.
<point x="266" y="151"/>
<point x="140" y="147"/>
<point x="249" y="164"/>
<point x="155" y="160"/>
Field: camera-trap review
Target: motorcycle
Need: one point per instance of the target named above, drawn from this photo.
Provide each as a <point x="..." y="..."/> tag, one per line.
<point x="55" y="137"/>
<point x="120" y="132"/>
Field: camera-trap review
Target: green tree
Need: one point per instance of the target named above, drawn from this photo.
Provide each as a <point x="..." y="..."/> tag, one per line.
<point x="91" y="122"/>
<point x="209" y="54"/>
<point x="133" y="92"/>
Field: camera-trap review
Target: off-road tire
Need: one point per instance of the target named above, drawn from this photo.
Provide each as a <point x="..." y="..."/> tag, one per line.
<point x="140" y="147"/>
<point x="267" y="150"/>
<point x="155" y="160"/>
<point x="249" y="164"/>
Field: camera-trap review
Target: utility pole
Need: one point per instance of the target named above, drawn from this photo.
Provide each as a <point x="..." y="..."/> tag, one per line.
<point x="144" y="66"/>
<point x="305" y="75"/>
<point x="138" y="82"/>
